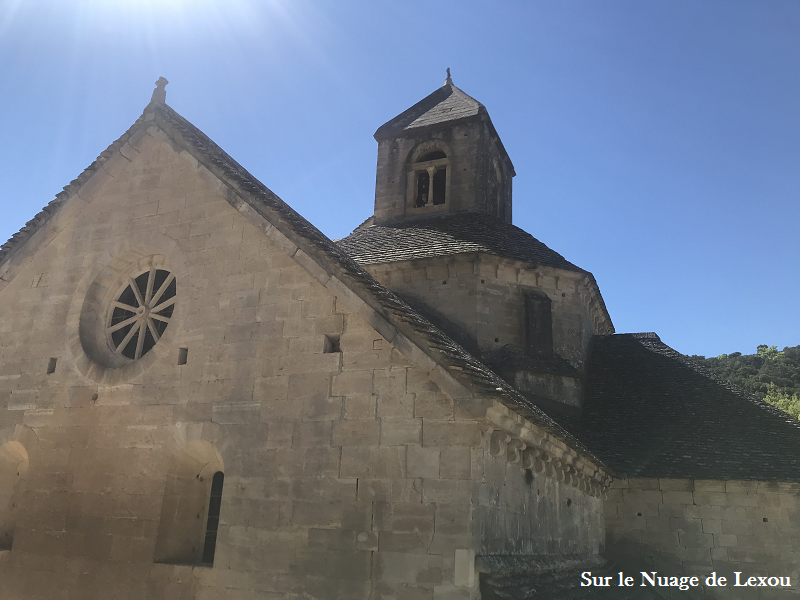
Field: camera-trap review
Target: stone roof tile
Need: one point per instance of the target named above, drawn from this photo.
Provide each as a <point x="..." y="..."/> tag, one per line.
<point x="18" y="239"/>
<point x="456" y="233"/>
<point x="653" y="412"/>
<point x="446" y="104"/>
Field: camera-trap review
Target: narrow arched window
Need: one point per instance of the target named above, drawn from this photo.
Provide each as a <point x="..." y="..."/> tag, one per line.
<point x="212" y="524"/>
<point x="538" y="325"/>
<point x="429" y="180"/>
<point x="187" y="529"/>
<point x="13" y="470"/>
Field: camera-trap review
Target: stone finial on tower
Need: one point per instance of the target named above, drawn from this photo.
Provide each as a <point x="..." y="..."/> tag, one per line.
<point x="160" y="94"/>
<point x="448" y="81"/>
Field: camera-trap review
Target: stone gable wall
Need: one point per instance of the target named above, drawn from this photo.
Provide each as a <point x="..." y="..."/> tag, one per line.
<point x="694" y="526"/>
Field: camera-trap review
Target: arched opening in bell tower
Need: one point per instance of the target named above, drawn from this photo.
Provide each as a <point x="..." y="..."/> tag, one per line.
<point x="429" y="179"/>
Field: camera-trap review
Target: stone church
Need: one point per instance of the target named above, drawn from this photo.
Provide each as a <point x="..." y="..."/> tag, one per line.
<point x="203" y="397"/>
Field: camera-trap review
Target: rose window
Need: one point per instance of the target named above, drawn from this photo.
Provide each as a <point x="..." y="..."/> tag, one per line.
<point x="140" y="314"/>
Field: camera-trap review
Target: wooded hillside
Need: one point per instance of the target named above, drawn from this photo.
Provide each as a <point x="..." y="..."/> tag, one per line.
<point x="770" y="374"/>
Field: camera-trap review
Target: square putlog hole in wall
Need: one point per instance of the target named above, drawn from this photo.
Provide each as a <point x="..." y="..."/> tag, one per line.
<point x="183" y="356"/>
<point x="51" y="366"/>
<point x="331" y="344"/>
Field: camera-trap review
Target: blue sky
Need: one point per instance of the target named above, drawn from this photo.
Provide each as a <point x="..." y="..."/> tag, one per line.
<point x="656" y="144"/>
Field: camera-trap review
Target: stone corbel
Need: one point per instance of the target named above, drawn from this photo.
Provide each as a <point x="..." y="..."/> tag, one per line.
<point x="521" y="442"/>
<point x="570" y="475"/>
<point x="514" y="450"/>
<point x="530" y="460"/>
<point x="548" y="465"/>
<point x="498" y="441"/>
<point x="559" y="472"/>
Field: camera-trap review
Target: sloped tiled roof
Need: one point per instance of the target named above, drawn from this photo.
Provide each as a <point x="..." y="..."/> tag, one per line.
<point x="448" y="103"/>
<point x="652" y="412"/>
<point x="457" y="233"/>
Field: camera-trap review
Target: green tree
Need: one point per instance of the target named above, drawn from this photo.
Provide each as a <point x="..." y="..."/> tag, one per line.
<point x="768" y="374"/>
<point x="782" y="400"/>
<point x="768" y="352"/>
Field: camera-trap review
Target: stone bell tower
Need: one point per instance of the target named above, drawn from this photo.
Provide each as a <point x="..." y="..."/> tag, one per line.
<point x="442" y="155"/>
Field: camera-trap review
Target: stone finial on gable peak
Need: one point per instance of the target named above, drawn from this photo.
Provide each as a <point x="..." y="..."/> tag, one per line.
<point x="449" y="80"/>
<point x="160" y="93"/>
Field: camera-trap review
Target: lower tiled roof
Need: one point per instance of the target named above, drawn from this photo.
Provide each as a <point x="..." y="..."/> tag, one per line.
<point x="442" y="235"/>
<point x="653" y="412"/>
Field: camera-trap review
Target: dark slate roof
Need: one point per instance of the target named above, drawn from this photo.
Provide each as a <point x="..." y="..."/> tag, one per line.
<point x="459" y="363"/>
<point x="446" y="104"/>
<point x="443" y="235"/>
<point x="653" y="412"/>
<point x="510" y="358"/>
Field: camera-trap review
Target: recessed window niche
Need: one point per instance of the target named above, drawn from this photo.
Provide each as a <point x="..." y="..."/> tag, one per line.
<point x="127" y="316"/>
<point x="428" y="178"/>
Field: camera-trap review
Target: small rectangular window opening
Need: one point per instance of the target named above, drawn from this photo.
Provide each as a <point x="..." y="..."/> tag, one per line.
<point x="51" y="366"/>
<point x="332" y="344"/>
<point x="183" y="356"/>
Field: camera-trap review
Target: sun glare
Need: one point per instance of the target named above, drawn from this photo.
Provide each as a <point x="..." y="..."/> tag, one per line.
<point x="181" y="17"/>
<point x="150" y="6"/>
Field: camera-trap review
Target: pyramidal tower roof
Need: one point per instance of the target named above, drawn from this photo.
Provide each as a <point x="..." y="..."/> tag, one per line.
<point x="446" y="104"/>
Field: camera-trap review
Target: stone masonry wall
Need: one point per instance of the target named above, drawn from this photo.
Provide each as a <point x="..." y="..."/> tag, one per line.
<point x="444" y="288"/>
<point x="391" y="173"/>
<point x="480" y="297"/>
<point x="502" y="282"/>
<point x="522" y="514"/>
<point x="691" y="526"/>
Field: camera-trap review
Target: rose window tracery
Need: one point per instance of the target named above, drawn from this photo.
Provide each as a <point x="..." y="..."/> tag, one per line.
<point x="141" y="313"/>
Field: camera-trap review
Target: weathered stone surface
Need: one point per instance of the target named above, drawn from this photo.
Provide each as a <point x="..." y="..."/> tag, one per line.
<point x="717" y="526"/>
